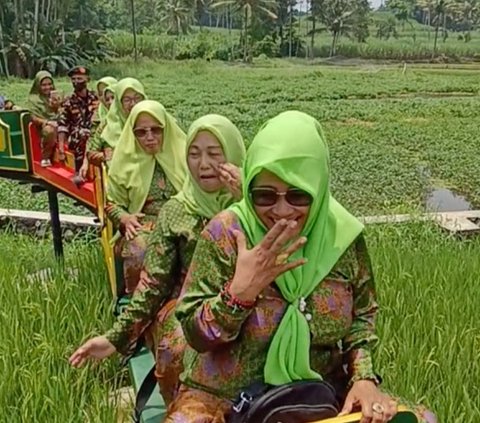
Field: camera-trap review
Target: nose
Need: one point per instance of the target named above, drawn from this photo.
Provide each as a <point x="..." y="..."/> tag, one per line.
<point x="204" y="163"/>
<point x="150" y="136"/>
<point x="282" y="209"/>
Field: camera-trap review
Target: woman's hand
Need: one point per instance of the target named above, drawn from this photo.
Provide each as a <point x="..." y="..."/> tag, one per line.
<point x="260" y="266"/>
<point x="376" y="406"/>
<point x="98" y="348"/>
<point x="131" y="225"/>
<point x="107" y="154"/>
<point x="84" y="169"/>
<point x="231" y="177"/>
<point x="52" y="123"/>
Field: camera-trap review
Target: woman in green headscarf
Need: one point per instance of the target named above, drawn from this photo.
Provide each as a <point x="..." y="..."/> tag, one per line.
<point x="215" y="149"/>
<point x="126" y="94"/>
<point x="280" y="287"/>
<point x="44" y="106"/>
<point x="148" y="168"/>
<point x="105" y="94"/>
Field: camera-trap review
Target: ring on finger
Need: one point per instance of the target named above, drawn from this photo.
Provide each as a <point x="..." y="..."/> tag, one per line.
<point x="378" y="408"/>
<point x="281" y="259"/>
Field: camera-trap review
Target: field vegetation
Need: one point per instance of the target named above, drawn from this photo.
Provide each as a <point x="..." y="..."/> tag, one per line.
<point x="394" y="133"/>
<point x="428" y="326"/>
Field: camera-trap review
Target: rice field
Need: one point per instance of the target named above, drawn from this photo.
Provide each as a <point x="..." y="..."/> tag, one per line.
<point x="429" y="347"/>
<point x="395" y="134"/>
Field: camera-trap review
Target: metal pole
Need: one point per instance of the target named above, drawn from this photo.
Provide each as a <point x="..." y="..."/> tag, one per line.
<point x="134" y="30"/>
<point x="55" y="221"/>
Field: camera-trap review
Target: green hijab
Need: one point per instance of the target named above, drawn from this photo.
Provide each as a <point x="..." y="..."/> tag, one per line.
<point x="131" y="168"/>
<point x="102" y="109"/>
<point x="38" y="103"/>
<point x="293" y="147"/>
<point x="116" y="117"/>
<point x="195" y="200"/>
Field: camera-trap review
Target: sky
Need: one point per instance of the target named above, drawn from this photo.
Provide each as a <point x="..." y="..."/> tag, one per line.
<point x="375" y="3"/>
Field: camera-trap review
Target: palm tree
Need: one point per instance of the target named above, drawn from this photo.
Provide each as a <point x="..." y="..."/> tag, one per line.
<point x="338" y="16"/>
<point x="249" y="9"/>
<point x="178" y="15"/>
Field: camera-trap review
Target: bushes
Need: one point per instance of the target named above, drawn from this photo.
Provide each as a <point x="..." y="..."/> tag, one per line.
<point x="200" y="45"/>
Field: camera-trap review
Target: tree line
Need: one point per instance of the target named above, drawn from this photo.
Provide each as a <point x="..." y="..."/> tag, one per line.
<point x="56" y="34"/>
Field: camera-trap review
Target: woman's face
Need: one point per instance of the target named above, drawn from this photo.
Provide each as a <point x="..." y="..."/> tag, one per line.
<point x="101" y="90"/>
<point x="129" y="99"/>
<point x="205" y="154"/>
<point x="149" y="133"/>
<point x="108" y="99"/>
<point x="273" y="200"/>
<point x="46" y="85"/>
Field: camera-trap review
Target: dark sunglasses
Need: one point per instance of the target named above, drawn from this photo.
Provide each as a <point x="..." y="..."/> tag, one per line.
<point x="269" y="196"/>
<point x="143" y="132"/>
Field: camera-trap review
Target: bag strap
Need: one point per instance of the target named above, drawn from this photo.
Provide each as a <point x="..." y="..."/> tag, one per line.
<point x="143" y="394"/>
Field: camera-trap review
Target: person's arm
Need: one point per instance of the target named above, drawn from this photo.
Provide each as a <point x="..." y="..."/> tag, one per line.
<point x="155" y="286"/>
<point x="63" y="130"/>
<point x="207" y="319"/>
<point x="39" y="121"/>
<point x="361" y="339"/>
<point x="95" y="153"/>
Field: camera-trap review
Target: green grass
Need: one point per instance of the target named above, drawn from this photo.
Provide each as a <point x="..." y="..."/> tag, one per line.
<point x="41" y="323"/>
<point x="393" y="134"/>
<point x="430" y="337"/>
<point x="429" y="349"/>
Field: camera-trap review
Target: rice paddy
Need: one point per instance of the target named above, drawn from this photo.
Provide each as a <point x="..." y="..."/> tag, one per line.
<point x="395" y="135"/>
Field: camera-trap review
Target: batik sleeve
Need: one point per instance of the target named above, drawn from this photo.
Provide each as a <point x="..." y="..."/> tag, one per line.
<point x="155" y="286"/>
<point x="361" y="339"/>
<point x="207" y="320"/>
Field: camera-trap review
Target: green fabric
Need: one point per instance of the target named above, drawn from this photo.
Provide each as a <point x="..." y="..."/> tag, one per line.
<point x="38" y="103"/>
<point x="293" y="147"/>
<point x="131" y="169"/>
<point x="116" y="117"/>
<point x="195" y="200"/>
<point x="102" y="109"/>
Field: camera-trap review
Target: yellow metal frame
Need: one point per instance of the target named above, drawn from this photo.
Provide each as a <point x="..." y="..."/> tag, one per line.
<point x="5" y="129"/>
<point x="106" y="225"/>
<point x="355" y="417"/>
<point x="25" y="149"/>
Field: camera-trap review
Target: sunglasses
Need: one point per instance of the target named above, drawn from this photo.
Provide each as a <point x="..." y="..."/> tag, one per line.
<point x="269" y="196"/>
<point x="131" y="100"/>
<point x="143" y="132"/>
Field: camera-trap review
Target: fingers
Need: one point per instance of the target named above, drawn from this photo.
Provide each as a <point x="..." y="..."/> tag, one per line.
<point x="224" y="175"/>
<point x="348" y="406"/>
<point x="241" y="241"/>
<point x="273" y="234"/>
<point x="299" y="243"/>
<point x="289" y="232"/>
<point x="367" y="413"/>
<point x="391" y="408"/>
<point x="291" y="265"/>
<point x="130" y="231"/>
<point x="79" y="357"/>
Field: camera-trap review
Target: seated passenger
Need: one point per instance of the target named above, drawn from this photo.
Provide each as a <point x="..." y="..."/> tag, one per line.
<point x="127" y="93"/>
<point x="148" y="168"/>
<point x="280" y="287"/>
<point x="214" y="150"/>
<point x="76" y="120"/>
<point x="105" y="97"/>
<point x="44" y="105"/>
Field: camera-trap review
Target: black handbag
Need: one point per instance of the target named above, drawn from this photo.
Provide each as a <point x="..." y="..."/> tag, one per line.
<point x="296" y="402"/>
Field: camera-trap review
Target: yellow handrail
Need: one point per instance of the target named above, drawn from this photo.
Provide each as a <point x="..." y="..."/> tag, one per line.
<point x="355" y="417"/>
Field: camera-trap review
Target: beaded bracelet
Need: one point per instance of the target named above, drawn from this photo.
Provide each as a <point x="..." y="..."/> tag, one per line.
<point x="233" y="301"/>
